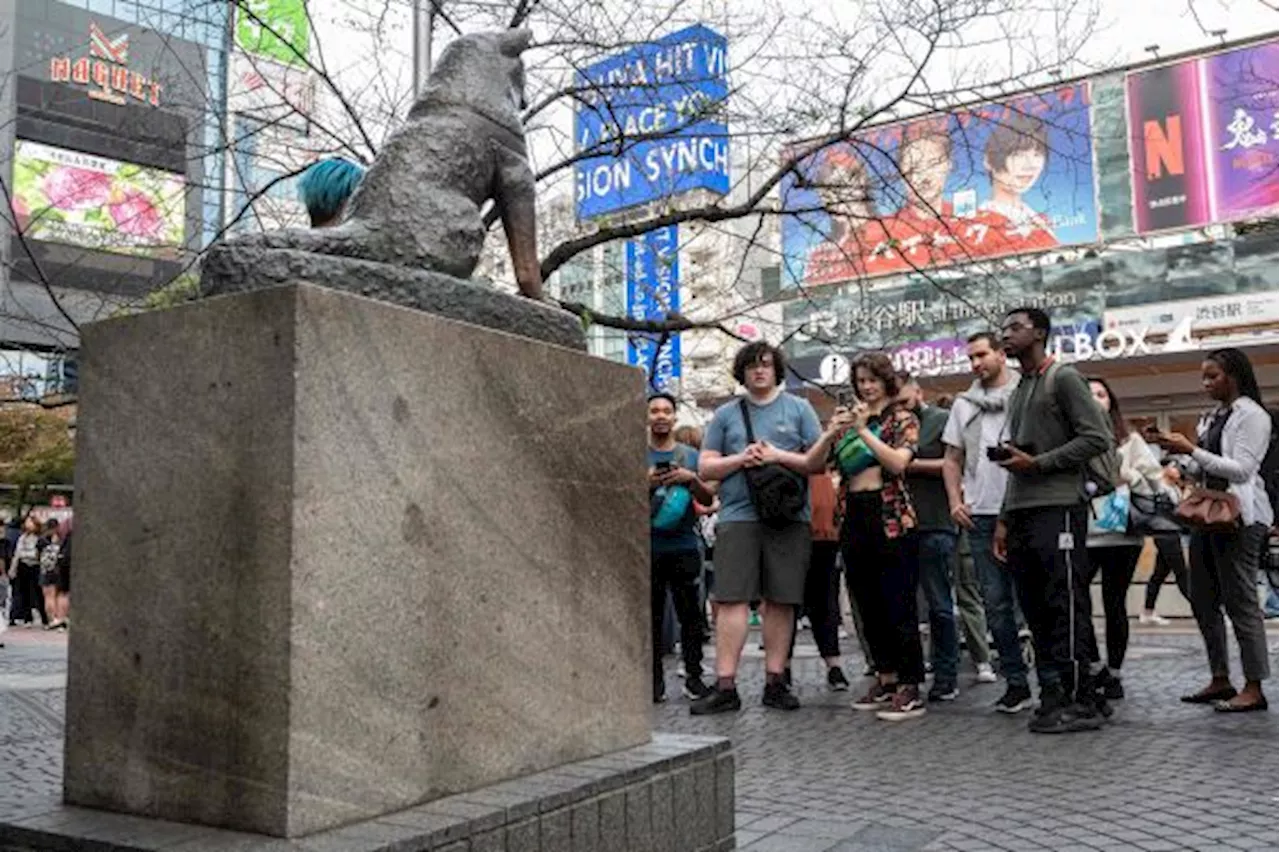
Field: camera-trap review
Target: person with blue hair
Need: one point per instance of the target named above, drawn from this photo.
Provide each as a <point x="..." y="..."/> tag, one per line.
<point x="325" y="187"/>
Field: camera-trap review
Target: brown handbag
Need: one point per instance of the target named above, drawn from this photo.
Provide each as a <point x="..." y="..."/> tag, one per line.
<point x="1209" y="511"/>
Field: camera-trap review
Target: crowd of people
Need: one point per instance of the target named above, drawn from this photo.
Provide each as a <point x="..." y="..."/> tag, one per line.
<point x="992" y="515"/>
<point x="36" y="576"/>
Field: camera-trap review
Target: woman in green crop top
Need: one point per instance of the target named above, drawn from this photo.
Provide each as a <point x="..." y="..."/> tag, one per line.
<point x="878" y="515"/>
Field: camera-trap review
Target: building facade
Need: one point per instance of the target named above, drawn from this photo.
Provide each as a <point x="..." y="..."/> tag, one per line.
<point x="112" y="157"/>
<point x="1148" y="233"/>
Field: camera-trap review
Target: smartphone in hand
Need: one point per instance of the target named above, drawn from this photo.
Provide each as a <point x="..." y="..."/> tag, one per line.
<point x="1004" y="452"/>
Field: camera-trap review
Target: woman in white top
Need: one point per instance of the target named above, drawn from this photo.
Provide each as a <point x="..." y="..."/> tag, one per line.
<point x="24" y="576"/>
<point x="1232" y="442"/>
<point x="1115" y="555"/>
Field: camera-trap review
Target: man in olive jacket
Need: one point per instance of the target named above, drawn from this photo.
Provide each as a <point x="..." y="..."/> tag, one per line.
<point x="1054" y="428"/>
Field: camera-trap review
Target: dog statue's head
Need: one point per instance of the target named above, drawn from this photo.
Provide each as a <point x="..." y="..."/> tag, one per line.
<point x="484" y="71"/>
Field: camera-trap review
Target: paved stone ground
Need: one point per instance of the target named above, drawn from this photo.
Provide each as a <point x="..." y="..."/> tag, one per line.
<point x="1163" y="776"/>
<point x="33" y="667"/>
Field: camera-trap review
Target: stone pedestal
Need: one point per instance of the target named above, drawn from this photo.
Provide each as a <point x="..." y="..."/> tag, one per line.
<point x="234" y="267"/>
<point x="673" y="794"/>
<point x="336" y="558"/>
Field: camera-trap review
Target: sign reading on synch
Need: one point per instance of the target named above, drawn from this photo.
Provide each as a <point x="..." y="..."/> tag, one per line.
<point x="655" y="115"/>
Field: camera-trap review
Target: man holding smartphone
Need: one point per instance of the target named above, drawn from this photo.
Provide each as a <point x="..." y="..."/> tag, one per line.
<point x="975" y="486"/>
<point x="675" y="560"/>
<point x="1054" y="429"/>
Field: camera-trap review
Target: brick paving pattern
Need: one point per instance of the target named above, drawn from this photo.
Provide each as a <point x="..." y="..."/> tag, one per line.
<point x="1162" y="776"/>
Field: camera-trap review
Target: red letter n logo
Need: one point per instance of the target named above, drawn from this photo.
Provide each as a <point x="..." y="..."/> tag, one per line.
<point x="1163" y="147"/>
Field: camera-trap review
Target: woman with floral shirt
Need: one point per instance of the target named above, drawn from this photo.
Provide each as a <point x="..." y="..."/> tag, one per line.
<point x="872" y="457"/>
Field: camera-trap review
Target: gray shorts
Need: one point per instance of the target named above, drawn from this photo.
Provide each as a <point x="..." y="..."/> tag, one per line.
<point x="754" y="562"/>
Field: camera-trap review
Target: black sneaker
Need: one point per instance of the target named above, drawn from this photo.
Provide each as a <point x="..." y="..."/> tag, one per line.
<point x="779" y="697"/>
<point x="836" y="681"/>
<point x="944" y="692"/>
<point x="1015" y="700"/>
<point x="1085" y="716"/>
<point x="1094" y="697"/>
<point x="1073" y="718"/>
<point x="694" y="688"/>
<point x="1047" y="720"/>
<point x="1108" y="685"/>
<point x="716" y="701"/>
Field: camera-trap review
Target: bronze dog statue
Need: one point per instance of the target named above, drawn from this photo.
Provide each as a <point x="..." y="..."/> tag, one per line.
<point x="461" y="145"/>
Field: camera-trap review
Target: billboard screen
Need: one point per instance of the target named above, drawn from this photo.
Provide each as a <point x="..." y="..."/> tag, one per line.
<point x="278" y="30"/>
<point x="662" y="102"/>
<point x="653" y="290"/>
<point x="1204" y="141"/>
<point x="68" y="197"/>
<point x="998" y="179"/>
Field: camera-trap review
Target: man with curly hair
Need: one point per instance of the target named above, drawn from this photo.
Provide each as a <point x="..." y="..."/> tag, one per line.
<point x="755" y="560"/>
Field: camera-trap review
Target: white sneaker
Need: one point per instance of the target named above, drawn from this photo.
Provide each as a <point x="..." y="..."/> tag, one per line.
<point x="1154" y="620"/>
<point x="986" y="674"/>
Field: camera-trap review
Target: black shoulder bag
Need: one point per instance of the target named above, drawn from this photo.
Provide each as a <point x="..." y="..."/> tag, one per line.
<point x="778" y="494"/>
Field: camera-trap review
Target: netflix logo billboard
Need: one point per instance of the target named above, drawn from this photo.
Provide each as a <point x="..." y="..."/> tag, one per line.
<point x="1205" y="139"/>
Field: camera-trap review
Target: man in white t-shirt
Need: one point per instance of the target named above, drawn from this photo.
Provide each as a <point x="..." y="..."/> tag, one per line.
<point x="975" y="490"/>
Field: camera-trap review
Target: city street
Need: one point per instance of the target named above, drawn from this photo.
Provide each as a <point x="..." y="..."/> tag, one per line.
<point x="1163" y="776"/>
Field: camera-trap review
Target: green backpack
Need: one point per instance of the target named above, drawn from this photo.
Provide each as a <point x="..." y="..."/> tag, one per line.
<point x="852" y="455"/>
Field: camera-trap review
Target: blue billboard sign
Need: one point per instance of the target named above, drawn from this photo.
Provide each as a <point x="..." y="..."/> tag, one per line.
<point x="653" y="291"/>
<point x="656" y="114"/>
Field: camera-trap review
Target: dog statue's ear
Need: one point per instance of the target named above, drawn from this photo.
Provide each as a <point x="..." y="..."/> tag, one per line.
<point x="514" y="42"/>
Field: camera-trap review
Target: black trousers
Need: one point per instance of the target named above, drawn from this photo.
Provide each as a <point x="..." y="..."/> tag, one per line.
<point x="1117" y="566"/>
<point x="822" y="599"/>
<point x="1169" y="560"/>
<point x="27" y="595"/>
<point x="1046" y="549"/>
<point x="884" y="585"/>
<point x="680" y="573"/>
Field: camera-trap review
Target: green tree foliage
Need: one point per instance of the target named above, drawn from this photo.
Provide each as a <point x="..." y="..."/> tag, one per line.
<point x="35" y="450"/>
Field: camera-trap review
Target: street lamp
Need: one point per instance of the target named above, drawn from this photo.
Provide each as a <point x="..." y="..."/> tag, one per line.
<point x="424" y="23"/>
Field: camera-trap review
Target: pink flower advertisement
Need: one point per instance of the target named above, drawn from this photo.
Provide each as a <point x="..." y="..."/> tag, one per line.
<point x="65" y="196"/>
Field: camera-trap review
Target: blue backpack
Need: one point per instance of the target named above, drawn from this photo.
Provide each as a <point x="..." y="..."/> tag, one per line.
<point x="671" y="507"/>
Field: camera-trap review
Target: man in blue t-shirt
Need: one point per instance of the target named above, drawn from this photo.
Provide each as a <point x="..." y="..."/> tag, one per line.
<point x="675" y="560"/>
<point x="756" y="561"/>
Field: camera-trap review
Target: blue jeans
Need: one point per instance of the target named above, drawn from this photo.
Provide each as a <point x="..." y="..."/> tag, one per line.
<point x="1271" y="609"/>
<point x="999" y="594"/>
<point x="936" y="556"/>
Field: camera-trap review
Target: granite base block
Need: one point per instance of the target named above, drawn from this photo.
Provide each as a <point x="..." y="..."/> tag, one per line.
<point x="235" y="268"/>
<point x="389" y="557"/>
<point x="599" y="807"/>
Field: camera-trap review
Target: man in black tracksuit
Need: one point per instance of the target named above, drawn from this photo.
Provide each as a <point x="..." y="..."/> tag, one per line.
<point x="1054" y="429"/>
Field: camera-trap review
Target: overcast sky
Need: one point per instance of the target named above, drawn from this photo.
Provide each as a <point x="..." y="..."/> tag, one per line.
<point x="1129" y="26"/>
